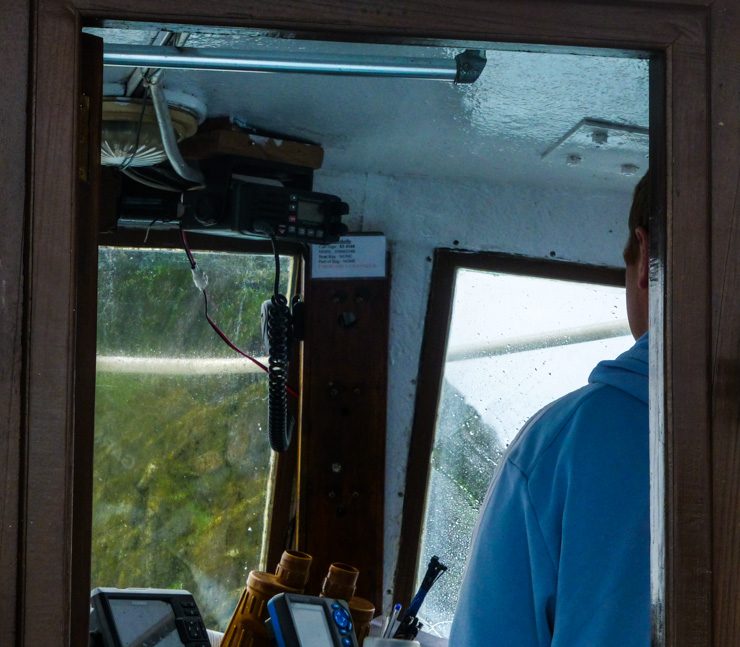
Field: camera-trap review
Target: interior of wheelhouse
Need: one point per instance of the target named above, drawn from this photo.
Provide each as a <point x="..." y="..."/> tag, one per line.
<point x="477" y="275"/>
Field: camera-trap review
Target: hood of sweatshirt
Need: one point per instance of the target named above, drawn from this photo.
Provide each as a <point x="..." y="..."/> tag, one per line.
<point x="628" y="372"/>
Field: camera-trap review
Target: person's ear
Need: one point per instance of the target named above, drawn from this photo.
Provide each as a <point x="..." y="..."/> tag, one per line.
<point x="643" y="261"/>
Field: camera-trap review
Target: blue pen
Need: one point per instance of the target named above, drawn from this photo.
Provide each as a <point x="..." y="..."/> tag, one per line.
<point x="388" y="631"/>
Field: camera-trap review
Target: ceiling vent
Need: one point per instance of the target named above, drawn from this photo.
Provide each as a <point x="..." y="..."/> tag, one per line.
<point x="605" y="147"/>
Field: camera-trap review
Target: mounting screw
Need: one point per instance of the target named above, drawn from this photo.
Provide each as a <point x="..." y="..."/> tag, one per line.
<point x="600" y="136"/>
<point x="629" y="169"/>
<point x="336" y="467"/>
<point x="347" y="319"/>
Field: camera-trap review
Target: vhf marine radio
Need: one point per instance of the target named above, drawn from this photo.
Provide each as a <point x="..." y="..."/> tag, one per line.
<point x="251" y="207"/>
<point x="240" y="200"/>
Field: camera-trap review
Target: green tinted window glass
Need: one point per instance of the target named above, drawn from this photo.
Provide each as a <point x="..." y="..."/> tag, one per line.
<point x="182" y="465"/>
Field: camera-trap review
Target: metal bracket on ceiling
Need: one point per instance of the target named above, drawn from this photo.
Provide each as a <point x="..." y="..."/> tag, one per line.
<point x="135" y="81"/>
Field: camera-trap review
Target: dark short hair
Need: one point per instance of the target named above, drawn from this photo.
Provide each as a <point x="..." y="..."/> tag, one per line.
<point x="639" y="216"/>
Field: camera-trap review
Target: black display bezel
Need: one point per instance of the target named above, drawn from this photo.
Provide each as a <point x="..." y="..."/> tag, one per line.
<point x="178" y="600"/>
<point x="282" y="618"/>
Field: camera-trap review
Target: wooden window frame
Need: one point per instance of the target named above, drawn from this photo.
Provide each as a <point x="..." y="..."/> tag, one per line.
<point x="45" y="522"/>
<point x="446" y="263"/>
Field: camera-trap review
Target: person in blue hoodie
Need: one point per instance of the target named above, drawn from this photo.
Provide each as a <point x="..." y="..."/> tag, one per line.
<point x="561" y="552"/>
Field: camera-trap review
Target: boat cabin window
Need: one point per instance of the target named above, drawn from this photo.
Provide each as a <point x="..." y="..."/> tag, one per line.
<point x="519" y="335"/>
<point x="183" y="471"/>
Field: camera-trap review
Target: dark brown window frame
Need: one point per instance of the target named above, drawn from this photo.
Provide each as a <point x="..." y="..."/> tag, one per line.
<point x="431" y="369"/>
<point x="284" y="492"/>
<point x="42" y="513"/>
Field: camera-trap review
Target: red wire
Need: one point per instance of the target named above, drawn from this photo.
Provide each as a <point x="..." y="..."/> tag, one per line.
<point x="226" y="340"/>
<point x="187" y="249"/>
<point x="214" y="325"/>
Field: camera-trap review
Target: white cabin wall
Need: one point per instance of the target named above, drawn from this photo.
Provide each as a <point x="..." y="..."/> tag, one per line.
<point x="418" y="215"/>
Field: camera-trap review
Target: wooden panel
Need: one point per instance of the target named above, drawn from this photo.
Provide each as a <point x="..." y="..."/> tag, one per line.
<point x="46" y="565"/>
<point x="630" y="25"/>
<point x="343" y="429"/>
<point x="85" y="324"/>
<point x="686" y="338"/>
<point x="725" y="357"/>
<point x="14" y="54"/>
<point x="528" y="266"/>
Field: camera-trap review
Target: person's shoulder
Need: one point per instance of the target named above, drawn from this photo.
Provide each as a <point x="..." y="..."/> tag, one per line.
<point x="556" y="425"/>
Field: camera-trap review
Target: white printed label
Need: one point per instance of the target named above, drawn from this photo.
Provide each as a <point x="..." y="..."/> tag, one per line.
<point x="351" y="257"/>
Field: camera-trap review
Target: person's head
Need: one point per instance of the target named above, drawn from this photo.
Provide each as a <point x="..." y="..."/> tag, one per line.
<point x="637" y="258"/>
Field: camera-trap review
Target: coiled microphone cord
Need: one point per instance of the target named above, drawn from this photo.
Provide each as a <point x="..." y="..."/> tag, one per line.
<point x="278" y="330"/>
<point x="278" y="326"/>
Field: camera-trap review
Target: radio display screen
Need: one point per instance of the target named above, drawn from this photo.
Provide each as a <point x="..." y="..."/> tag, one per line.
<point x="144" y="623"/>
<point x="310" y="212"/>
<point x="311" y="625"/>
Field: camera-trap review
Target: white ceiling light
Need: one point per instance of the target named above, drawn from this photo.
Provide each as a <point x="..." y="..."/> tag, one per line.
<point x="130" y="133"/>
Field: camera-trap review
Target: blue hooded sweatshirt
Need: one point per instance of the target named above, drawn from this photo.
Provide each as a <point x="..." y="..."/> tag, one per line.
<point x="562" y="549"/>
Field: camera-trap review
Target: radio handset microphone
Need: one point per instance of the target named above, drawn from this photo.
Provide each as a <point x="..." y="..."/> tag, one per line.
<point x="277" y="334"/>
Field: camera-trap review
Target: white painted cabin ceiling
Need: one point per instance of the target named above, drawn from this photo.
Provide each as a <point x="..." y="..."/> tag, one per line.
<point x="493" y="131"/>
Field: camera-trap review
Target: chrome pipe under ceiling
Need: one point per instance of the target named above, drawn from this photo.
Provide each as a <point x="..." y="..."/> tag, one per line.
<point x="466" y="67"/>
